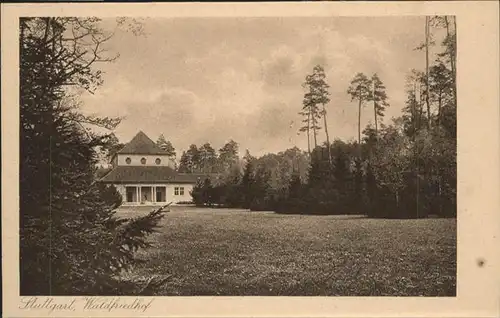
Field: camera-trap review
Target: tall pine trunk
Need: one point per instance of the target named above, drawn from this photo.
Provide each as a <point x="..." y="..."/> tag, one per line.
<point x="414" y="110"/>
<point x="440" y="195"/>
<point x="308" y="134"/>
<point x="440" y="102"/>
<point x="453" y="57"/>
<point x="359" y="127"/>
<point x="327" y="136"/>
<point x="421" y="106"/>
<point x="427" y="71"/>
<point x="375" y="111"/>
<point x="359" y="121"/>
<point x="314" y="132"/>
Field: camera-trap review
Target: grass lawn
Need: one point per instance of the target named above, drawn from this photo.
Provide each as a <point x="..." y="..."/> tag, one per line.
<point x="236" y="252"/>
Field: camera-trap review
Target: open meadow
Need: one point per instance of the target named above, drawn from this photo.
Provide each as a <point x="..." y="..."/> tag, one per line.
<point x="238" y="252"/>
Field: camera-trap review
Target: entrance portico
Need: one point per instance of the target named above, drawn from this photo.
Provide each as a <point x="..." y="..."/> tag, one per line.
<point x="145" y="194"/>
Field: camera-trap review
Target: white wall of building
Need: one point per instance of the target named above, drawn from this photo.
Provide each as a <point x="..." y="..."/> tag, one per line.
<point x="171" y="195"/>
<point x="135" y="160"/>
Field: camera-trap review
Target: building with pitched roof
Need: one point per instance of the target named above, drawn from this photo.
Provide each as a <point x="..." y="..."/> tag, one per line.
<point x="144" y="174"/>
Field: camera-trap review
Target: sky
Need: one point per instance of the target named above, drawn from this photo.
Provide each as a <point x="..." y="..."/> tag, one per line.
<point x="199" y="80"/>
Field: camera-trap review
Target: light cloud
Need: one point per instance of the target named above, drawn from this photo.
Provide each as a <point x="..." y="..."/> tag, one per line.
<point x="200" y="79"/>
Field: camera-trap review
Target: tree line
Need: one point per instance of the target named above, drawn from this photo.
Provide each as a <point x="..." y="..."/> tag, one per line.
<point x="196" y="159"/>
<point x="204" y="159"/>
<point x="403" y="169"/>
<point x="255" y="182"/>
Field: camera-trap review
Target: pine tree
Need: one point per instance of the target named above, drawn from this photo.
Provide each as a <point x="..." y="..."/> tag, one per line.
<point x="192" y="159"/>
<point x="295" y="187"/>
<point x="260" y="190"/>
<point x="413" y="111"/>
<point x="228" y="156"/>
<point x="111" y="147"/>
<point x="185" y="164"/>
<point x="202" y="193"/>
<point x="440" y="87"/>
<point x="379" y="98"/>
<point x="427" y="102"/>
<point x="208" y="158"/>
<point x="247" y="181"/>
<point x="317" y="94"/>
<point x="341" y="171"/>
<point x="360" y="90"/>
<point x="306" y="128"/>
<point x="71" y="243"/>
<point x="166" y="145"/>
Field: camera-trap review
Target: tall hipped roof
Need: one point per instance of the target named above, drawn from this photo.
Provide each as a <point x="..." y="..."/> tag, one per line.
<point x="141" y="144"/>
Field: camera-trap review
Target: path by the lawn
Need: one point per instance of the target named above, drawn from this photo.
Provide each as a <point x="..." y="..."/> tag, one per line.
<point x="235" y="252"/>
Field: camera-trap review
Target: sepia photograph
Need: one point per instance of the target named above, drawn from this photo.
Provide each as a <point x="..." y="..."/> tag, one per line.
<point x="250" y="160"/>
<point x="238" y="156"/>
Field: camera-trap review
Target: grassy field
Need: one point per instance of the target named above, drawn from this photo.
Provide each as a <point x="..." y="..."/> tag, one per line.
<point x="235" y="252"/>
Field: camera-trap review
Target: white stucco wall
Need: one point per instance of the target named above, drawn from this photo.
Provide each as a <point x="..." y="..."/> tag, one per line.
<point x="179" y="198"/>
<point x="150" y="160"/>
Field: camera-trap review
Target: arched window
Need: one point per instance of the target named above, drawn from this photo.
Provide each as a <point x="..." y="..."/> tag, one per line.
<point x="158" y="161"/>
<point x="128" y="161"/>
<point x="143" y="161"/>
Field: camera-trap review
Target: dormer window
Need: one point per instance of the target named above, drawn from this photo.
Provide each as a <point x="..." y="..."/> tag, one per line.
<point x="128" y="161"/>
<point x="158" y="161"/>
<point x="143" y="161"/>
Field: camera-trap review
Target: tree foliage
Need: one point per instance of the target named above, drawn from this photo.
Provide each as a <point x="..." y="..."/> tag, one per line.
<point x="208" y="158"/>
<point x="360" y="91"/>
<point x="190" y="160"/>
<point x="166" y="145"/>
<point x="204" y="159"/>
<point x="380" y="99"/>
<point x="70" y="240"/>
<point x="313" y="104"/>
<point x="228" y="155"/>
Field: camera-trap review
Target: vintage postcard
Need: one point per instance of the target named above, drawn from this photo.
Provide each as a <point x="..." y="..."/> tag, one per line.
<point x="250" y="159"/>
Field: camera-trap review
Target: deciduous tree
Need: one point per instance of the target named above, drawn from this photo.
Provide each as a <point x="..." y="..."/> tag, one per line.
<point x="392" y="161"/>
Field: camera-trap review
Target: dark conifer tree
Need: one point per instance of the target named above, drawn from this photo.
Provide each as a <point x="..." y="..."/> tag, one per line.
<point x="70" y="241"/>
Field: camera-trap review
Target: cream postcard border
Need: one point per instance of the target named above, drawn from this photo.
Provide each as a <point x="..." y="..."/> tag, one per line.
<point x="478" y="288"/>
